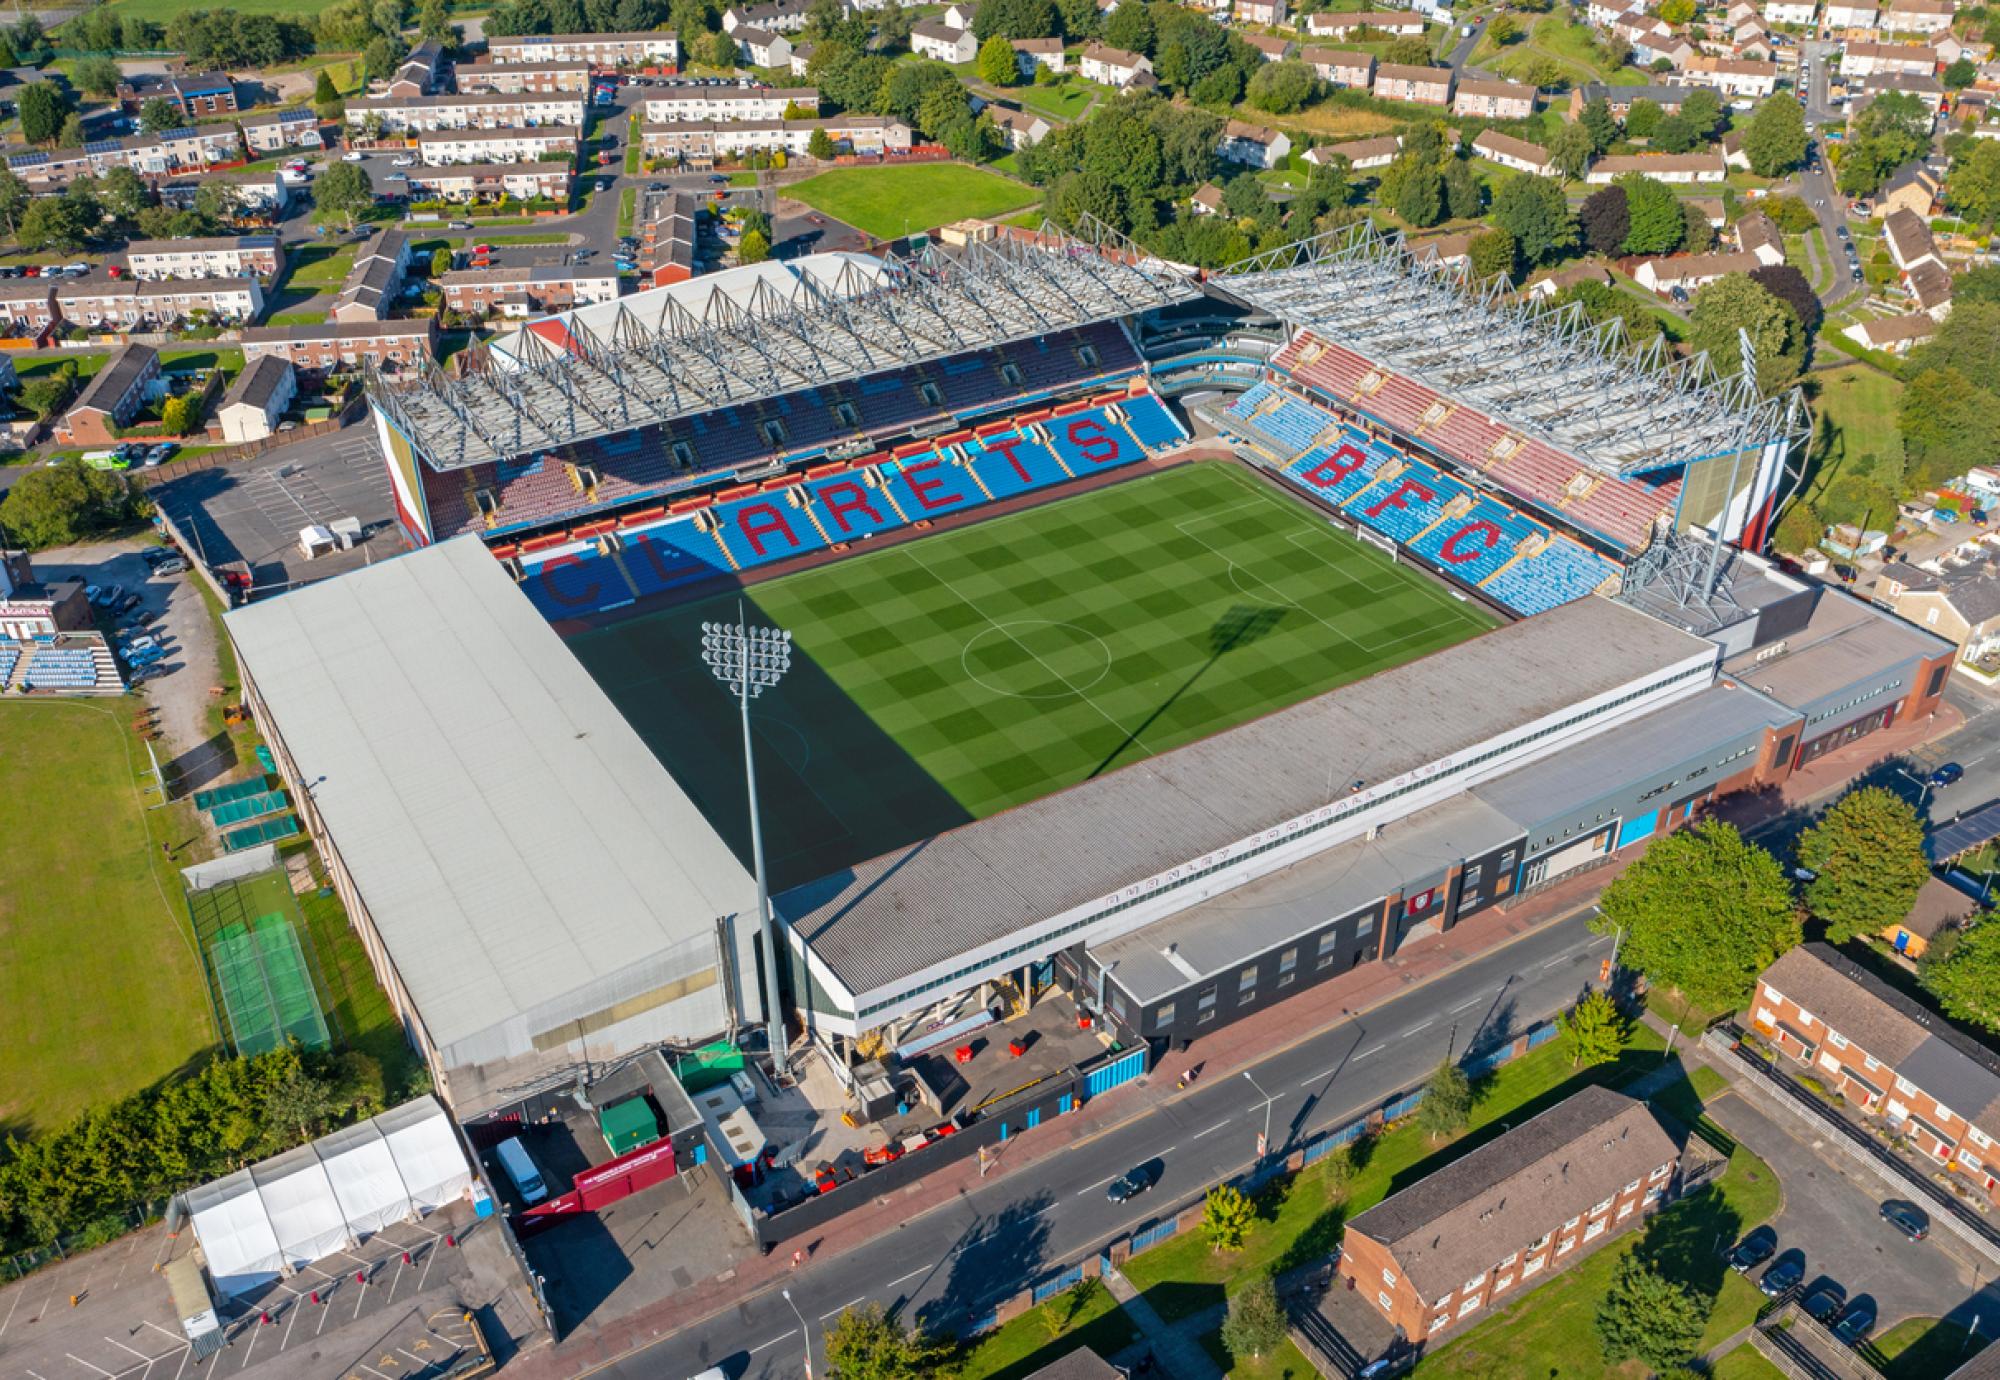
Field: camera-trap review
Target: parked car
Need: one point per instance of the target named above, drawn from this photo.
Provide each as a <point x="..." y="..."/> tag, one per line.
<point x="1947" y="775"/>
<point x="160" y="452"/>
<point x="174" y="566"/>
<point x="1856" y="1323"/>
<point x="128" y="603"/>
<point x="150" y="672"/>
<point x="151" y="656"/>
<point x="719" y="179"/>
<point x="90" y="593"/>
<point x="1822" y="1305"/>
<point x="1784" y="1276"/>
<point x="140" y="643"/>
<point x="458" y="225"/>
<point x="1753" y="1250"/>
<point x="1907" y="1218"/>
<point x="107" y="596"/>
<point x="353" y="156"/>
<point x="402" y="160"/>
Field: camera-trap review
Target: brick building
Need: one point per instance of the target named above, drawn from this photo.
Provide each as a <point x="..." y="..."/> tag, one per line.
<point x="344" y="344"/>
<point x="197" y="95"/>
<point x="112" y="398"/>
<point x="528" y="291"/>
<point x="223" y="256"/>
<point x="599" y="50"/>
<point x="504" y="110"/>
<point x="523" y="76"/>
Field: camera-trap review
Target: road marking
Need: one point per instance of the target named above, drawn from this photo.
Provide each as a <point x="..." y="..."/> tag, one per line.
<point x="1168" y="1151"/>
<point x="1099" y="1184"/>
<point x="836" y="1312"/>
<point x="87" y="1366"/>
<point x="1462" y="1005"/>
<point x="1366" y="1052"/>
<point x="1425" y="1026"/>
<point x="766" y="1346"/>
<point x="1559" y="958"/>
<point x="18" y="1295"/>
<point x="911" y="1275"/>
<point x="1211" y="1130"/>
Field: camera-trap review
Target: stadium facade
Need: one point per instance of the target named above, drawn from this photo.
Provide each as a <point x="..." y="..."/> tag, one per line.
<point x="692" y="437"/>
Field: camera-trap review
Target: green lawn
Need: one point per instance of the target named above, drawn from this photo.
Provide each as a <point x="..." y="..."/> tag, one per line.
<point x="958" y="675"/>
<point x="1745" y="1363"/>
<point x="1858" y="431"/>
<point x="1031" y="1341"/>
<point x="1184" y="1276"/>
<point x="101" y="993"/>
<point x="86" y="364"/>
<point x="1065" y="100"/>
<point x="163" y="11"/>
<point x="897" y="200"/>
<point x="1286" y="1363"/>
<point x="628" y="208"/>
<point x="229" y="361"/>
<point x="1925" y="1348"/>
<point x="319" y="263"/>
<point x="298" y="318"/>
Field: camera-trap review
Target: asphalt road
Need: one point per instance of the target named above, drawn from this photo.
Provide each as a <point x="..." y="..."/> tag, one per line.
<point x="959" y="1259"/>
<point x="1820" y="193"/>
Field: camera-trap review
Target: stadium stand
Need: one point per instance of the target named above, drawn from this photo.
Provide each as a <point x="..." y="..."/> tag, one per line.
<point x="1410" y="502"/>
<point x="1560" y="572"/>
<point x="9" y="659"/>
<point x="686" y="455"/>
<point x="658" y="549"/>
<point x="61" y="668"/>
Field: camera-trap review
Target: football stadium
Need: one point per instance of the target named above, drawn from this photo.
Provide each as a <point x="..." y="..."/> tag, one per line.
<point x="1159" y="645"/>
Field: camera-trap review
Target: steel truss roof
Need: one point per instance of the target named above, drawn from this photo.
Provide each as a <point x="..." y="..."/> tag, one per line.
<point x="745" y="347"/>
<point x="1538" y="369"/>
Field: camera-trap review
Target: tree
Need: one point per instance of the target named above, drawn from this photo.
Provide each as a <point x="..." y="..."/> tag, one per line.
<point x="1961" y="968"/>
<point x="1677" y="12"/>
<point x="1702" y="109"/>
<point x="1973" y="190"/>
<point x="1130" y="27"/>
<point x="1794" y="217"/>
<point x="42" y="109"/>
<point x="820" y="145"/>
<point x="1789" y="286"/>
<point x="384" y="53"/>
<point x="1960" y="74"/>
<point x="97" y="76"/>
<point x="1536" y="213"/>
<point x="1605" y="219"/>
<point x="1226" y="1217"/>
<point x="1503" y="29"/>
<point x="753" y="248"/>
<point x="124" y="194"/>
<point x="1775" y="139"/>
<point x="1703" y="912"/>
<point x="1697" y="235"/>
<point x="1410" y="51"/>
<point x="1657" y="226"/>
<point x="1599" y="123"/>
<point x="717" y="50"/>
<point x="1493" y="252"/>
<point x="1642" y="118"/>
<point x="1734" y="303"/>
<point x="1256" y="1321"/>
<point x="60" y="504"/>
<point x="867" y="1344"/>
<point x="179" y="414"/>
<point x="1447" y="1104"/>
<point x="159" y="113"/>
<point x="14" y="199"/>
<point x="327" y="103"/>
<point x="1674" y="134"/>
<point x="1595" y="1031"/>
<point x="1948" y="422"/>
<point x="45" y="394"/>
<point x="1282" y="87"/>
<point x="1647" y="1315"/>
<point x="55" y="222"/>
<point x="1868" y="856"/>
<point x="72" y="135"/>
<point x="1570" y="151"/>
<point x="343" y="192"/>
<point x="441" y="261"/>
<point x="997" y="64"/>
<point x="216" y="204"/>
<point x="434" y="22"/>
<point x="1419" y="194"/>
<point x="1464" y="195"/>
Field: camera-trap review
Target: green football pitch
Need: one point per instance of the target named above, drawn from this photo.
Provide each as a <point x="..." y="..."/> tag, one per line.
<point x="951" y="677"/>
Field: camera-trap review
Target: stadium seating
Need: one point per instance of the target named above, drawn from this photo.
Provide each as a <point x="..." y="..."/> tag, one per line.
<point x="762" y="527"/>
<point x="61" y="668"/>
<point x="9" y="659"/>
<point x="1087" y="442"/>
<point x="1330" y="471"/>
<point x="848" y="507"/>
<point x="928" y="486"/>
<point x="1476" y="544"/>
<point x="1407" y="504"/>
<point x="1031" y="466"/>
<point x="1563" y="571"/>
<point x="1151" y="424"/>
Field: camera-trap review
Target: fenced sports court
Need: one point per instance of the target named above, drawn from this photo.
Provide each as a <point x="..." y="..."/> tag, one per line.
<point x="262" y="980"/>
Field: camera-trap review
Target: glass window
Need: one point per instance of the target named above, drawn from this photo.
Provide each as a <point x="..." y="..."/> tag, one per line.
<point x="1288" y="960"/>
<point x="1365" y="926"/>
<point x="1164" y="1017"/>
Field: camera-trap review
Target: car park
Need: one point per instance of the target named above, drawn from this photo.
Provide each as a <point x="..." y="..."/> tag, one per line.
<point x="1784" y="1276"/>
<point x="1909" y="1219"/>
<point x="1822" y="1305"/>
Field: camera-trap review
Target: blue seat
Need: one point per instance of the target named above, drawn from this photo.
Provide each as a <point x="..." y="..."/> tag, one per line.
<point x="1404" y="506"/>
<point x="1562" y="572"/>
<point x="1492" y="531"/>
<point x="1329" y="470"/>
<point x="1248" y="401"/>
<point x="848" y="508"/>
<point x="765" y="527"/>
<point x="575" y="584"/>
<point x="1088" y="442"/>
<point x="1152" y="423"/>
<point x="654" y="565"/>
<point x="1032" y="467"/>
<point x="928" y="486"/>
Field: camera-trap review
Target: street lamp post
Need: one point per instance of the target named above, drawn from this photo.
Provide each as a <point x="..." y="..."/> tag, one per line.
<point x="1922" y="783"/>
<point x="1263" y="1139"/>
<point x="804" y="1332"/>
<point x="750" y="661"/>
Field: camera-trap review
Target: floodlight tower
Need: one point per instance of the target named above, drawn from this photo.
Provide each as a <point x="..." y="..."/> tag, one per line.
<point x="750" y="661"/>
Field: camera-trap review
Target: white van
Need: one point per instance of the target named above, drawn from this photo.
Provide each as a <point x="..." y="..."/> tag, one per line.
<point x="527" y="1179"/>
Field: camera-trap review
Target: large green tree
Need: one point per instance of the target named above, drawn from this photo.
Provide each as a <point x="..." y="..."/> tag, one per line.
<point x="61" y="223"/>
<point x="1570" y="150"/>
<point x="1227" y="1214"/>
<point x="1282" y="87"/>
<point x="1775" y="139"/>
<point x="97" y="76"/>
<point x="1734" y="303"/>
<point x="1599" y="123"/>
<point x="1867" y="854"/>
<point x="1948" y="422"/>
<point x="1536" y="213"/>
<point x="867" y="1344"/>
<point x="998" y="65"/>
<point x="1973" y="189"/>
<point x="1647" y="1315"/>
<point x="42" y="109"/>
<point x="159" y="113"/>
<point x="1447" y="1104"/>
<point x="1654" y="223"/>
<point x="57" y="505"/>
<point x="1255" y="1325"/>
<point x="1493" y="253"/>
<point x="1419" y="194"/>
<point x="1595" y="1031"/>
<point x="1961" y="969"/>
<point x="343" y="192"/>
<point x="1703" y="912"/>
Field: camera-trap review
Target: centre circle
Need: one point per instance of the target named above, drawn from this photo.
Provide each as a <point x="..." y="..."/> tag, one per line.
<point x="1036" y="659"/>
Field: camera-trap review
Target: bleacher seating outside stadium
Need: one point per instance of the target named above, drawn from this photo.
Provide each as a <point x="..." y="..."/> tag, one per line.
<point x="60" y="668"/>
<point x="1476" y="537"/>
<point x="9" y="659"/>
<point x="749" y="526"/>
<point x="685" y="456"/>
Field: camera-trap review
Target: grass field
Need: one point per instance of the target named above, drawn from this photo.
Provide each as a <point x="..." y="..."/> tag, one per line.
<point x="100" y="991"/>
<point x="1922" y="1348"/>
<point x="1066" y="100"/>
<point x="249" y="933"/>
<point x="892" y="201"/>
<point x="954" y="676"/>
<point x="1857" y="411"/>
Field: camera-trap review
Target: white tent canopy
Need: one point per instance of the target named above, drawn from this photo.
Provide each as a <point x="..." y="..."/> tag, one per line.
<point x="262" y="1223"/>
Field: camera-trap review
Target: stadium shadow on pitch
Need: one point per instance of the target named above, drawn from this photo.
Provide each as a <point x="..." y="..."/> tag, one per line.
<point x="834" y="787"/>
<point x="1239" y="626"/>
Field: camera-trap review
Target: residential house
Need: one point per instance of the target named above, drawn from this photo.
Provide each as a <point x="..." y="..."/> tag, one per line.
<point x="1553" y="281"/>
<point x="1649" y="48"/>
<point x="27" y="306"/>
<point x="1207" y="200"/>
<point x="1619" y="99"/>
<point x="530" y="291"/>
<point x="334" y="345"/>
<point x="1939" y="906"/>
<point x="420" y="73"/>
<point x="599" y="50"/>
<point x="256" y="402"/>
<point x="197" y="95"/>
<point x="402" y="115"/>
<point x="1862" y="58"/>
<point x="1957" y="594"/>
<point x="224" y="256"/>
<point x="801" y="63"/>
<point x="1349" y="25"/>
<point x="1756" y="235"/>
<point x="1918" y="16"/>
<point x="1907" y="237"/>
<point x="1270" y="46"/>
<point x="281" y="131"/>
<point x="722" y="104"/>
<point x="959" y="14"/>
<point x="1510" y="152"/>
<point x="1888" y="1055"/>
<point x="1930" y="285"/>
<point x="259" y="195"/>
<point x="1252" y="145"/>
<point x="778" y="16"/>
<point x="1394" y="81"/>
<point x="1602" y="14"/>
<point x="932" y="39"/>
<point x="490" y="181"/>
<point x="1733" y="155"/>
<point x="1453" y="251"/>
<point x="1494" y="100"/>
<point x="1362" y="155"/>
<point x="112" y="398"/>
<point x="1913" y="188"/>
<point x="130" y="305"/>
<point x="1665" y="167"/>
<point x="1528" y="1203"/>
<point x="670" y="243"/>
<point x="1339" y="67"/>
<point x="762" y="47"/>
<point x="1893" y="335"/>
<point x="1115" y="66"/>
<point x="1792" y="13"/>
<point x="1923" y="86"/>
<point x="699" y="145"/>
<point x="372" y="284"/>
<point x="1950" y="48"/>
<point x="1737" y="78"/>
<point x="1030" y="53"/>
<point x="1266" y="13"/>
<point x="496" y="146"/>
<point x="517" y="77"/>
<point x="1851" y="14"/>
<point x="1690" y="271"/>
<point x="1019" y="128"/>
<point x="151" y="155"/>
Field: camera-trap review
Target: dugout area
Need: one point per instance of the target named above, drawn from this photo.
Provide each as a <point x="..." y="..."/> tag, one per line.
<point x="262" y="977"/>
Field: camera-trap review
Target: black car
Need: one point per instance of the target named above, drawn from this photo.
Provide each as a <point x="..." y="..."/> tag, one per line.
<point x="1907" y="1218"/>
<point x="1784" y="1276"/>
<point x="1129" y="1185"/>
<point x="1753" y="1250"/>
<point x="128" y="603"/>
<point x="1823" y="1303"/>
<point x="1947" y="774"/>
<point x="1856" y="1323"/>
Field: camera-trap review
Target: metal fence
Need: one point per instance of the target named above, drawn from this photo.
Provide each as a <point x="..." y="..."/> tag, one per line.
<point x="1117" y="1072"/>
<point x="1154" y="1235"/>
<point x="1049" y="1288"/>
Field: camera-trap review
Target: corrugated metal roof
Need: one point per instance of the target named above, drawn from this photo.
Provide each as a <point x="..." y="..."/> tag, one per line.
<point x="1845" y="642"/>
<point x="512" y="837"/>
<point x="894" y="916"/>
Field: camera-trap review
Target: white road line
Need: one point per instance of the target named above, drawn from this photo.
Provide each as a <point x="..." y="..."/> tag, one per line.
<point x="19" y="1294"/>
<point x="1559" y="958"/>
<point x="1099" y="1184"/>
<point x="1462" y="1005"/>
<point x="87" y="1366"/>
<point x="325" y="1307"/>
<point x="173" y="1337"/>
<point x="921" y="1269"/>
<point x="397" y="1280"/>
<point x="291" y="1319"/>
<point x="766" y="1346"/>
<point x="360" y="1295"/>
<point x="1376" y="1049"/>
<point x="149" y="1360"/>
<point x="1425" y="1026"/>
<point x="186" y="1353"/>
<point x="251" y="1350"/>
<point x="1168" y="1151"/>
<point x="429" y="1256"/>
<point x="1211" y="1130"/>
<point x="1318" y="1078"/>
<point x="836" y="1312"/>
